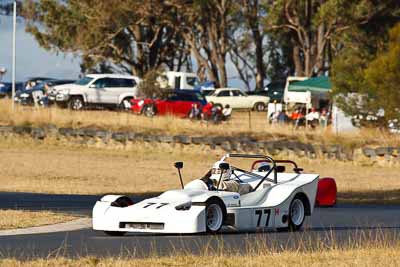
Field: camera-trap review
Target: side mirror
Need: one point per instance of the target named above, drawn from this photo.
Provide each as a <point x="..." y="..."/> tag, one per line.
<point x="178" y="165"/>
<point x="224" y="166"/>
<point x="92" y="86"/>
<point x="280" y="168"/>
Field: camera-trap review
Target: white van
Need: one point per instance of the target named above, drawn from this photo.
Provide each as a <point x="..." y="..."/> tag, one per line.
<point x="179" y="80"/>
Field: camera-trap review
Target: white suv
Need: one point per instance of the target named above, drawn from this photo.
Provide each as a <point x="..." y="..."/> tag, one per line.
<point x="108" y="90"/>
<point x="238" y="99"/>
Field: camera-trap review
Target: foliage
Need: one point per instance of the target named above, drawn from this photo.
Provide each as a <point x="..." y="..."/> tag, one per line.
<point x="311" y="25"/>
<point x="382" y="77"/>
<point x="366" y="74"/>
<point x="150" y="86"/>
<point x="133" y="35"/>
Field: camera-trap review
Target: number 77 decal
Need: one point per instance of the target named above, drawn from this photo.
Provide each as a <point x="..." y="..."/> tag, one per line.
<point x="260" y="215"/>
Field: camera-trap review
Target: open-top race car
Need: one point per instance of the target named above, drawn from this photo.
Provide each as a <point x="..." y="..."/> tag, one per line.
<point x="227" y="197"/>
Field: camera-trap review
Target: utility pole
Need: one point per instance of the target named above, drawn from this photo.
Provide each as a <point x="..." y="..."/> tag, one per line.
<point x="14" y="55"/>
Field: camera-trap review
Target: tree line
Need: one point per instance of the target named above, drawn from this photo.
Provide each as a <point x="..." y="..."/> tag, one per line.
<point x="263" y="39"/>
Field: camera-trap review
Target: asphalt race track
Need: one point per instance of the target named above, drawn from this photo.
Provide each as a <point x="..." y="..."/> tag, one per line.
<point x="341" y="225"/>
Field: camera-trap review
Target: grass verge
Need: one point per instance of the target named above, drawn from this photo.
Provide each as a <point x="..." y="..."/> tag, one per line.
<point x="368" y="254"/>
<point x="14" y="219"/>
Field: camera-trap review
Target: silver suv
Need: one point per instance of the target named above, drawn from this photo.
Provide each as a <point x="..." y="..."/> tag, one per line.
<point x="107" y="90"/>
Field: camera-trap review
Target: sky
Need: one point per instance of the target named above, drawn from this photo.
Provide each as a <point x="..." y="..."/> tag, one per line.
<point x="32" y="60"/>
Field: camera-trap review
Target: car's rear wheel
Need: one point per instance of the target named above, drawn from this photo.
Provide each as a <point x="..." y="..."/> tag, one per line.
<point x="215" y="215"/>
<point x="149" y="110"/>
<point x="296" y="214"/>
<point x="76" y="103"/>
<point x="259" y="107"/>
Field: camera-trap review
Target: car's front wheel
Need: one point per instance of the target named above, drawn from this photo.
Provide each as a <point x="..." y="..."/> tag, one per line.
<point x="259" y="107"/>
<point x="215" y="215"/>
<point x="76" y="103"/>
<point x="296" y="214"/>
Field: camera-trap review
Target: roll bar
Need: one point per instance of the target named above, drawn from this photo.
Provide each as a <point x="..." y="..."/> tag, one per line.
<point x="257" y="156"/>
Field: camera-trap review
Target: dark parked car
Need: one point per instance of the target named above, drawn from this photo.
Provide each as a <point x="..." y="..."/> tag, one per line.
<point x="273" y="90"/>
<point x="6" y="88"/>
<point x="25" y="96"/>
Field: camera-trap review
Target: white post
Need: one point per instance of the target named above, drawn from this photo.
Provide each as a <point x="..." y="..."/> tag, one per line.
<point x="14" y="54"/>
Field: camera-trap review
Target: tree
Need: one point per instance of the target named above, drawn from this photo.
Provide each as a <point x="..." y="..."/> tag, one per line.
<point x="310" y="26"/>
<point x="132" y="35"/>
<point x="247" y="42"/>
<point x="369" y="70"/>
<point x="150" y="86"/>
<point x="382" y="77"/>
<point x="205" y="26"/>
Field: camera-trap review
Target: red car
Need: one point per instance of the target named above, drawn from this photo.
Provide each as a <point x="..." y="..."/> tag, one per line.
<point x="177" y="103"/>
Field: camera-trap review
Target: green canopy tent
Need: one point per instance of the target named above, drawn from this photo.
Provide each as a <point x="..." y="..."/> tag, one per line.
<point x="319" y="84"/>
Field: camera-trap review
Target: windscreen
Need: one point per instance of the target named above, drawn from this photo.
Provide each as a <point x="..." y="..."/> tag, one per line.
<point x="84" y="81"/>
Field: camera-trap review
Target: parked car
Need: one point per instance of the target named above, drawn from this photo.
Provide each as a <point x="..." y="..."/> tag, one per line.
<point x="237" y="99"/>
<point x="6" y="88"/>
<point x="97" y="90"/>
<point x="273" y="90"/>
<point x="25" y="96"/>
<point x="177" y="102"/>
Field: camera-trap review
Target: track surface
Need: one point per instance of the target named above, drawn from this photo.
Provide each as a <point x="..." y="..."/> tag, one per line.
<point x="340" y="225"/>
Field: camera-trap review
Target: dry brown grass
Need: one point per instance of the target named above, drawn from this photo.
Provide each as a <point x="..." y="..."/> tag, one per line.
<point x="364" y="256"/>
<point x="242" y="123"/>
<point x="142" y="168"/>
<point x="13" y="219"/>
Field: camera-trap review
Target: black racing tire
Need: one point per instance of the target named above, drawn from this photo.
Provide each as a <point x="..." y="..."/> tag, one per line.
<point x="114" y="233"/>
<point x="76" y="103"/>
<point x="215" y="215"/>
<point x="259" y="106"/>
<point x="297" y="214"/>
<point x="149" y="110"/>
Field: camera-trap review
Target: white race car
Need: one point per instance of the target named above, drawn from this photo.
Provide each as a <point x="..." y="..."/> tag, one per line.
<point x="264" y="198"/>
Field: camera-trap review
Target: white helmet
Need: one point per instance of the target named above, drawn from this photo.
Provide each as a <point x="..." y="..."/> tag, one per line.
<point x="263" y="167"/>
<point x="216" y="172"/>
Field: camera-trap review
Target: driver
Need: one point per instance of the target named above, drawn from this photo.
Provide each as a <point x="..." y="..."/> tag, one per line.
<point x="226" y="184"/>
<point x="263" y="167"/>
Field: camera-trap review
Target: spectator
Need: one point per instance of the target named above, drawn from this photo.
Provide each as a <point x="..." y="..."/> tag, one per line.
<point x="282" y="117"/>
<point x="226" y="112"/>
<point x="297" y="117"/>
<point x="313" y="118"/>
<point x="195" y="112"/>
<point x="206" y="111"/>
<point x="323" y="119"/>
<point x="274" y="117"/>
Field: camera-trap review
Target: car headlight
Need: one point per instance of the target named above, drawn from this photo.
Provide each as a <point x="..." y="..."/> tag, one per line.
<point x="63" y="92"/>
<point x="184" y="206"/>
<point x="141" y="102"/>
